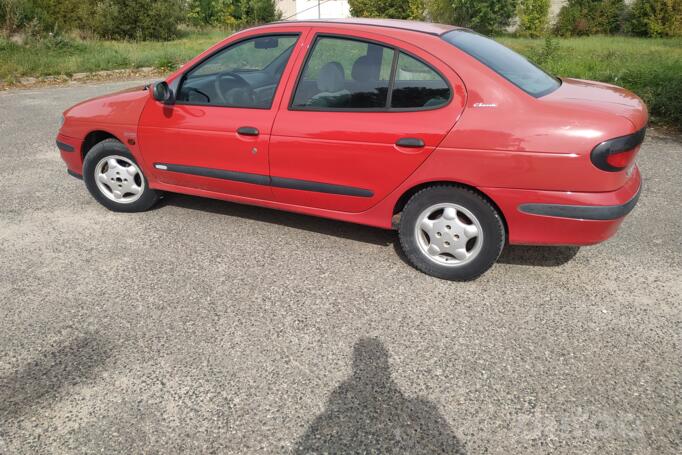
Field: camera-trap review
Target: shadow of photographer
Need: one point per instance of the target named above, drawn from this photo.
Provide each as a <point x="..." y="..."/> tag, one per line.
<point x="368" y="413"/>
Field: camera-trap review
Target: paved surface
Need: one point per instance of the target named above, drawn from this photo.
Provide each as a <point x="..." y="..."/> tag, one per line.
<point x="205" y="326"/>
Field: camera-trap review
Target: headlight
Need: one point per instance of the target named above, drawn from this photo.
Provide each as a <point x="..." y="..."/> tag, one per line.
<point x="61" y="121"/>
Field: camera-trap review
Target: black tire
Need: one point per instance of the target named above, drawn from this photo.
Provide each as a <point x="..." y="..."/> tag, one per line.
<point x="111" y="147"/>
<point x="487" y="216"/>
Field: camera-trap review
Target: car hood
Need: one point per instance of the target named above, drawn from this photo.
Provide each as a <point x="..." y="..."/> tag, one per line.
<point x="601" y="97"/>
<point x="122" y="107"/>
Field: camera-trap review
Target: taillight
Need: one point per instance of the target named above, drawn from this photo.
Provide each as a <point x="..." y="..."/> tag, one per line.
<point x="616" y="154"/>
<point x="620" y="160"/>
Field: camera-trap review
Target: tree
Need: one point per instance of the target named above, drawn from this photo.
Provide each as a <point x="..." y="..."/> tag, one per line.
<point x="139" y="19"/>
<point x="656" y="18"/>
<point x="533" y="17"/>
<point x="211" y="12"/>
<point x="484" y="16"/>
<point x="392" y="9"/>
<point x="258" y="12"/>
<point x="589" y="17"/>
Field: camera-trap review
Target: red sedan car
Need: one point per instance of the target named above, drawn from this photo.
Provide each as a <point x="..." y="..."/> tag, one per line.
<point x="453" y="139"/>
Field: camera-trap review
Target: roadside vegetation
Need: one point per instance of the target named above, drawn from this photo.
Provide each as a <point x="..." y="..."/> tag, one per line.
<point x="637" y="46"/>
<point x="66" y="55"/>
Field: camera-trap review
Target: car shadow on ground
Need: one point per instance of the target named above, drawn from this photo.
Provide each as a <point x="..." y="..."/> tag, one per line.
<point x="351" y="231"/>
<point x="44" y="379"/>
<point x="367" y="413"/>
<point x="544" y="256"/>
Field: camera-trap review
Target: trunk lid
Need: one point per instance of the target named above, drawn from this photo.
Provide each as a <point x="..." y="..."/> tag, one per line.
<point x="602" y="97"/>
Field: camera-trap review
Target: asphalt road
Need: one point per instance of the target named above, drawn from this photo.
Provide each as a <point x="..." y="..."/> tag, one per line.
<point x="209" y="327"/>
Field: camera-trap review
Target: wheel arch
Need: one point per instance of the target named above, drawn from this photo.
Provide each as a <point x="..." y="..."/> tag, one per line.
<point x="407" y="194"/>
<point x="93" y="138"/>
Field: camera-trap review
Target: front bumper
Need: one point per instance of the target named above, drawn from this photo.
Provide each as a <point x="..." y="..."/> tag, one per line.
<point x="69" y="149"/>
<point x="565" y="218"/>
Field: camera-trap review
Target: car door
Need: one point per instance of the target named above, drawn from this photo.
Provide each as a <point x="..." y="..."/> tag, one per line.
<point x="215" y="137"/>
<point x="364" y="112"/>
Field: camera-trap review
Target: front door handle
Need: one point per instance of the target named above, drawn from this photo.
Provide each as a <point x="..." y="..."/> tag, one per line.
<point x="247" y="131"/>
<point x="410" y="142"/>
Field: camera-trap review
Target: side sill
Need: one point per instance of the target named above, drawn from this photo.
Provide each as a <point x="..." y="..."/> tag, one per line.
<point x="259" y="179"/>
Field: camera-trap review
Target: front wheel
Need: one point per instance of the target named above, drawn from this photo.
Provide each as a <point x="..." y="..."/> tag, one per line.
<point x="114" y="179"/>
<point x="451" y="232"/>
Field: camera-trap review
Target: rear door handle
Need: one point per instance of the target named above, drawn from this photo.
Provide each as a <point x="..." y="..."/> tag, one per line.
<point x="247" y="131"/>
<point x="410" y="142"/>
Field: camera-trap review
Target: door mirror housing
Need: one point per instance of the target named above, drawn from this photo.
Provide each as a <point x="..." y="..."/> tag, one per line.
<point x="163" y="93"/>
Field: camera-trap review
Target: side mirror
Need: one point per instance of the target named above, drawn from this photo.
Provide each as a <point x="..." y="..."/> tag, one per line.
<point x="163" y="93"/>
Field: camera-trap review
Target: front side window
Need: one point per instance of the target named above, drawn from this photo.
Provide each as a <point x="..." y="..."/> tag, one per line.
<point x="345" y="74"/>
<point x="507" y="63"/>
<point x="245" y="74"/>
<point x="416" y="85"/>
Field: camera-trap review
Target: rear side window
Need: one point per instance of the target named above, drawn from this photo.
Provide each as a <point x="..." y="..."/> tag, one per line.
<point x="417" y="85"/>
<point x="350" y="74"/>
<point x="507" y="63"/>
<point x="345" y="73"/>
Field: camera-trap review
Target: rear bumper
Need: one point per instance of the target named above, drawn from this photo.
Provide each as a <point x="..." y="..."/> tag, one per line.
<point x="582" y="212"/>
<point x="565" y="218"/>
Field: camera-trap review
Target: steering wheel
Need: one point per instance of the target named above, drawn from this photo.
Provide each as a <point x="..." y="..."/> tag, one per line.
<point x="242" y="88"/>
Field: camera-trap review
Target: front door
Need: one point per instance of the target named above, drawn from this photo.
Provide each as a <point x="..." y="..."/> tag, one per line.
<point x="215" y="137"/>
<point x="362" y="116"/>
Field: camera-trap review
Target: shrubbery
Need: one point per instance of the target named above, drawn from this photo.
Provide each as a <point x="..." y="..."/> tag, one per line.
<point x="485" y="16"/>
<point x="590" y="17"/>
<point x="252" y="12"/>
<point x="138" y="19"/>
<point x="656" y="18"/>
<point x="211" y="12"/>
<point x="129" y="19"/>
<point x="533" y="16"/>
<point x="393" y="9"/>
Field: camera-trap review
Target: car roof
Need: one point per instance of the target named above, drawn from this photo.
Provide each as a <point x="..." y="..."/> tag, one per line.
<point x="415" y="26"/>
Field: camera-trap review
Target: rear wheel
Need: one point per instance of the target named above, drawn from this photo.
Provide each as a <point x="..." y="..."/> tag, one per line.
<point x="114" y="179"/>
<point x="451" y="232"/>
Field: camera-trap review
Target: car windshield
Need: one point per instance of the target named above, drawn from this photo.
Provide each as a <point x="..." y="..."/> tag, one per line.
<point x="507" y="63"/>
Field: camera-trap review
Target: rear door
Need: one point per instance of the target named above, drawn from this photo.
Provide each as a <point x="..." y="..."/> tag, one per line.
<point x="215" y="137"/>
<point x="364" y="112"/>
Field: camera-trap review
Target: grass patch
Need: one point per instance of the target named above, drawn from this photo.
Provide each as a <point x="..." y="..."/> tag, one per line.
<point x="652" y="68"/>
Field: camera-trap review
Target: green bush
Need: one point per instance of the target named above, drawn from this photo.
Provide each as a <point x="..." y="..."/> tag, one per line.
<point x="44" y="16"/>
<point x="118" y="19"/>
<point x="590" y="17"/>
<point x="251" y="12"/>
<point x="138" y="19"/>
<point x="217" y="13"/>
<point x="484" y="16"/>
<point x="656" y="18"/>
<point x="392" y="9"/>
<point x="533" y="17"/>
<point x="16" y="14"/>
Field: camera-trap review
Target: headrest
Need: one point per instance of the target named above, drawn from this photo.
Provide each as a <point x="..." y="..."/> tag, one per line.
<point x="364" y="69"/>
<point x="331" y="78"/>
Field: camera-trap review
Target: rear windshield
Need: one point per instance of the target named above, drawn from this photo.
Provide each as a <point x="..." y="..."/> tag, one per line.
<point x="507" y="63"/>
